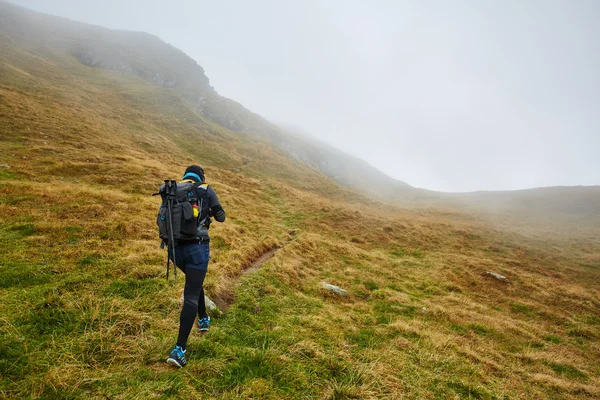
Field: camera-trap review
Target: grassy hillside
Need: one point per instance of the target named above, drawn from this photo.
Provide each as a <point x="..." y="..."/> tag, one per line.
<point x="147" y="58"/>
<point x="85" y="311"/>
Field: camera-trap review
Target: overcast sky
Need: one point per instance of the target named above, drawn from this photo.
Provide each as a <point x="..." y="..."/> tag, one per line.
<point x="445" y="95"/>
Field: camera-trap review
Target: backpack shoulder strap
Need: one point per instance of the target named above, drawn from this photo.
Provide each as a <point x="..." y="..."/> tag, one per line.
<point x="202" y="189"/>
<point x="202" y="193"/>
<point x="195" y="187"/>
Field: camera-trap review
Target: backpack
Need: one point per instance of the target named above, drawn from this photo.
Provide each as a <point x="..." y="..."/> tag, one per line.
<point x="189" y="210"/>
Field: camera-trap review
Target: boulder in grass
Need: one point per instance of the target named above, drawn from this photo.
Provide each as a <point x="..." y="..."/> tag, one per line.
<point x="334" y="289"/>
<point x="210" y="305"/>
<point x="497" y="276"/>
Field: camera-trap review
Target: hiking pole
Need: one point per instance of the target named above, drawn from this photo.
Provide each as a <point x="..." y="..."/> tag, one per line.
<point x="164" y="192"/>
<point x="170" y="244"/>
<point x="169" y="218"/>
<point x="168" y="261"/>
<point x="171" y="185"/>
<point x="173" y="245"/>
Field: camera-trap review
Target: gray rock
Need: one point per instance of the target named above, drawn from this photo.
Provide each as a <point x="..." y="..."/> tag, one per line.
<point x="4" y="166"/>
<point x="210" y="305"/>
<point x="497" y="276"/>
<point x="334" y="289"/>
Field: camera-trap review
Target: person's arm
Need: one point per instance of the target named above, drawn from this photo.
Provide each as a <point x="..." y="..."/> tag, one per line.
<point x="215" y="209"/>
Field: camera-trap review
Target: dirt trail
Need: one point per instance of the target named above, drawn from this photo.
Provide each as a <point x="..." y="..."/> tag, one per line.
<point x="226" y="299"/>
<point x="263" y="258"/>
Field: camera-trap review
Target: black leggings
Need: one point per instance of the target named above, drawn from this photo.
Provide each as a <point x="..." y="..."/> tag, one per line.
<point x="193" y="303"/>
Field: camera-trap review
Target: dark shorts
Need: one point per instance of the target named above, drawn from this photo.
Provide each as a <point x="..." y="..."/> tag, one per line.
<point x="192" y="256"/>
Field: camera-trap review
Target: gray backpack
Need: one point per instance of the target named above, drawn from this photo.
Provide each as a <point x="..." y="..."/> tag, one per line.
<point x="188" y="207"/>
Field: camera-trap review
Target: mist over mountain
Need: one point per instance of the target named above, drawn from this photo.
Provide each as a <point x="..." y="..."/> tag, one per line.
<point x="148" y="58"/>
<point x="474" y="96"/>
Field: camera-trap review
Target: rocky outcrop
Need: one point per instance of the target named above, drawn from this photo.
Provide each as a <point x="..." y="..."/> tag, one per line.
<point x="113" y="59"/>
<point x="94" y="57"/>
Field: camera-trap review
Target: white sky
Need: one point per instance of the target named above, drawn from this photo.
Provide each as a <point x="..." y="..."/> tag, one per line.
<point x="445" y="95"/>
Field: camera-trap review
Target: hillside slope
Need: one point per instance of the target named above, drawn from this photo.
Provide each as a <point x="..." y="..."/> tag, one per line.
<point x="85" y="310"/>
<point x="143" y="56"/>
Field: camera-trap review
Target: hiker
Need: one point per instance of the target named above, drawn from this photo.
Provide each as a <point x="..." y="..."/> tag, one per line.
<point x="192" y="257"/>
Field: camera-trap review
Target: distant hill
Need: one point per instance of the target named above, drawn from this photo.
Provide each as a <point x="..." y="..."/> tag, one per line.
<point x="568" y="209"/>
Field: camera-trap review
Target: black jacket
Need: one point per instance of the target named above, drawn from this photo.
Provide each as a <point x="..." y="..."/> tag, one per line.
<point x="215" y="210"/>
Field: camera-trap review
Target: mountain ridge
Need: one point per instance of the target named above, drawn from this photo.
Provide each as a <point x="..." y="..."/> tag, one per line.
<point x="100" y="48"/>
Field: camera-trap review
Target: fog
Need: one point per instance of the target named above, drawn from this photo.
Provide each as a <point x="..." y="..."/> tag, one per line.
<point x="444" y="95"/>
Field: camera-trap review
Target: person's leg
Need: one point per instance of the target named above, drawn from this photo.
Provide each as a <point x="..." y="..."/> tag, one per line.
<point x="205" y="249"/>
<point x="194" y="278"/>
<point x="194" y="262"/>
<point x="186" y="262"/>
<point x="202" y="305"/>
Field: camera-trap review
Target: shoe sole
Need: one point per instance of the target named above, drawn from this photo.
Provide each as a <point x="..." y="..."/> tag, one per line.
<point x="173" y="362"/>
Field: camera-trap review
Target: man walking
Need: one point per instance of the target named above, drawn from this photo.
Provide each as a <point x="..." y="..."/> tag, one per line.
<point x="192" y="258"/>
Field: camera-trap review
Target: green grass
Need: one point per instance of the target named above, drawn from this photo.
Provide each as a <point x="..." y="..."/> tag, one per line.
<point x="90" y="259"/>
<point x="6" y="174"/>
<point x="567" y="370"/>
<point x="479" y="329"/>
<point x="22" y="274"/>
<point x="520" y="308"/>
<point x="553" y="339"/>
<point x="401" y="253"/>
<point x="18" y="231"/>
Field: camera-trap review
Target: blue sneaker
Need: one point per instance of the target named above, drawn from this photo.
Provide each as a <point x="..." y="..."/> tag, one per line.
<point x="177" y="357"/>
<point x="203" y="324"/>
